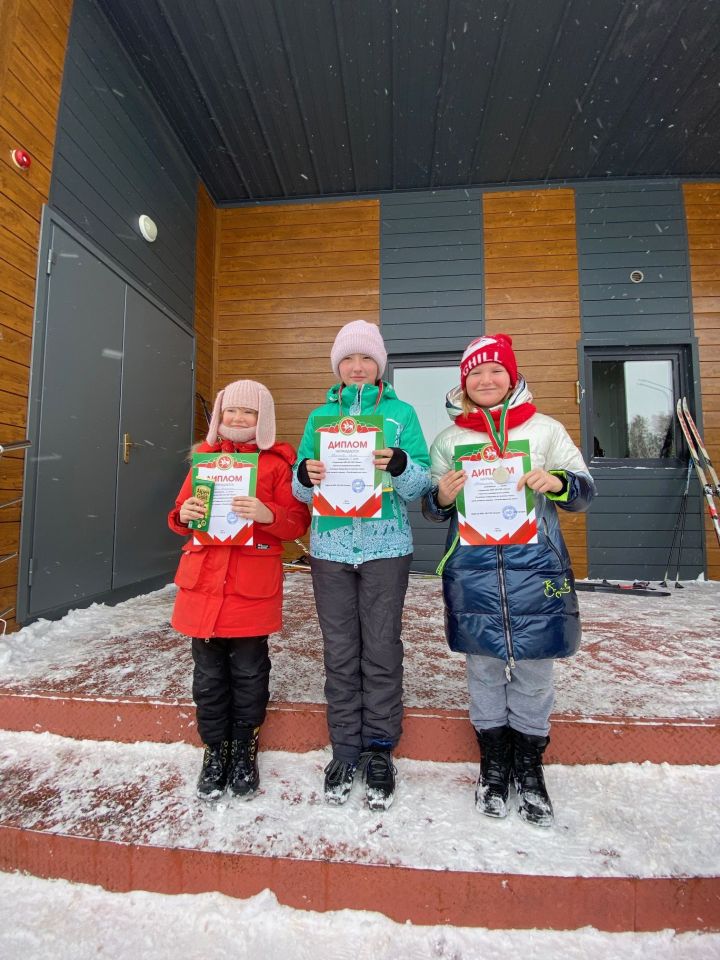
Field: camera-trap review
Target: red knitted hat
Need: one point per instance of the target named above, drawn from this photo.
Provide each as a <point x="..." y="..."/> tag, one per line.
<point x="492" y="349"/>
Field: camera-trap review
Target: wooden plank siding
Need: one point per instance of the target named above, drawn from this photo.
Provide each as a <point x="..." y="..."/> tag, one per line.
<point x="531" y="293"/>
<point x="205" y="256"/>
<point x="702" y="211"/>
<point x="288" y="277"/>
<point x="32" y="50"/>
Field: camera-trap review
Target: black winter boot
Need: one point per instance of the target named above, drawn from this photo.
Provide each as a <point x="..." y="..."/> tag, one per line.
<point x="379" y="777"/>
<point x="244" y="776"/>
<point x="493" y="784"/>
<point x="339" y="777"/>
<point x="534" y="804"/>
<point x="214" y="774"/>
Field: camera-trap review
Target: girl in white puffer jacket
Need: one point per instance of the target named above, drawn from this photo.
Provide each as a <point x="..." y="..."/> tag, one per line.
<point x="512" y="609"/>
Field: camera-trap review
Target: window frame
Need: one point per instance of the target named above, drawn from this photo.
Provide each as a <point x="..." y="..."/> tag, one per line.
<point x="438" y="358"/>
<point x="680" y="356"/>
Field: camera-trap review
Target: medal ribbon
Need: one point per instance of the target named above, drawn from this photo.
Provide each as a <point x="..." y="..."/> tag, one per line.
<point x="499" y="435"/>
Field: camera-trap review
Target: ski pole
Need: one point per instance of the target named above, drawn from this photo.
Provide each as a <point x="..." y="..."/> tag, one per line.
<point x="678" y="585"/>
<point x="680" y="519"/>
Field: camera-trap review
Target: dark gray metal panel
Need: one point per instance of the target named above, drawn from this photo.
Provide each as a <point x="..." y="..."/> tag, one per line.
<point x="632" y="227"/>
<point x="648" y="54"/>
<point x="631" y="523"/>
<point x="116" y="157"/>
<point x="442" y="254"/>
<point x="428" y="540"/>
<point x="156" y="410"/>
<point x="302" y="98"/>
<point x="427" y="302"/>
<point x="431" y="295"/>
<point x="75" y="457"/>
<point x="623" y="227"/>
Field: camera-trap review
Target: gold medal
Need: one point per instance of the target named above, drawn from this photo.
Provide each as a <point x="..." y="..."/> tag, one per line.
<point x="500" y="475"/>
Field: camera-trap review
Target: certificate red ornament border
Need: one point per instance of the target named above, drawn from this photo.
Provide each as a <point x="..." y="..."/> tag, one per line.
<point x="348" y="425"/>
<point x="237" y="461"/>
<point x="527" y="531"/>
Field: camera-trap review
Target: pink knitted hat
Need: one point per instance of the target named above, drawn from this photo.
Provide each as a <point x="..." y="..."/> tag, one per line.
<point x="359" y="337"/>
<point x="254" y="396"/>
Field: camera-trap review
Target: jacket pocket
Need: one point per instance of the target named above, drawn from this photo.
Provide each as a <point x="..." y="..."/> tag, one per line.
<point x="190" y="566"/>
<point x="258" y="577"/>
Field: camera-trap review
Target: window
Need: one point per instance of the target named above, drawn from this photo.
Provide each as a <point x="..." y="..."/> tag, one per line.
<point x="632" y="397"/>
<point x="424" y="384"/>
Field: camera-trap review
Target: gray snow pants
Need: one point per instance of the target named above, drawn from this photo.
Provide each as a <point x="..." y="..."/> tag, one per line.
<point x="360" y="613"/>
<point x="523" y="703"/>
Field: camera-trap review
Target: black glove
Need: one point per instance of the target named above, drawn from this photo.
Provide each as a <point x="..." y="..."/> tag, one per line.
<point x="397" y="462"/>
<point x="303" y="475"/>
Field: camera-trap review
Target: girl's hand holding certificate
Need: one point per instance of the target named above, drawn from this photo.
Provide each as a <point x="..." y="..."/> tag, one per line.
<point x="250" y="508"/>
<point x="449" y="486"/>
<point x="316" y="471"/>
<point x="316" y="468"/>
<point x="451" y="483"/>
<point x="540" y="481"/>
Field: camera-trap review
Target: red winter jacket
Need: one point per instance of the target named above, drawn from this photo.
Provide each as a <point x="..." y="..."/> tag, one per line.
<point x="228" y="591"/>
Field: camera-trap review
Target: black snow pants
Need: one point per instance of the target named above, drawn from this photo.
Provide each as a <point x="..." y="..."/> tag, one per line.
<point x="360" y="613"/>
<point x="230" y="688"/>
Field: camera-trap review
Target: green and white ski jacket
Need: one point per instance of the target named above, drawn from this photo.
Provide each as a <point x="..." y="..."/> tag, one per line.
<point x="354" y="540"/>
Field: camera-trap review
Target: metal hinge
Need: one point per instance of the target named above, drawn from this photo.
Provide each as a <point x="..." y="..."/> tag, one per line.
<point x="50" y="261"/>
<point x="30" y="572"/>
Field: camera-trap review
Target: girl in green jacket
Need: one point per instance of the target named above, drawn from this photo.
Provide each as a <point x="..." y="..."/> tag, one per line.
<point x="360" y="571"/>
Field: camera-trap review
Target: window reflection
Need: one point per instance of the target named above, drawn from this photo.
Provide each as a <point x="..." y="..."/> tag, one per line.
<point x="633" y="409"/>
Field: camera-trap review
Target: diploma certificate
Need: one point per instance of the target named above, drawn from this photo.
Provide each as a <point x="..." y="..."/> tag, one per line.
<point x="352" y="486"/>
<point x="233" y="475"/>
<point x="491" y="510"/>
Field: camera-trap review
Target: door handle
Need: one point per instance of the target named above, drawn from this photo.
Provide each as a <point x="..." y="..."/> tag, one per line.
<point x="127" y="443"/>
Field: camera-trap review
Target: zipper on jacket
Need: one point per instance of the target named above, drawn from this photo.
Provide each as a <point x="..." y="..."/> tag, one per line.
<point x="552" y="545"/>
<point x="510" y="665"/>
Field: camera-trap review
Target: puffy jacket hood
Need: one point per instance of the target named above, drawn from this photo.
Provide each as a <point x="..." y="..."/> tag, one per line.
<point x="453" y="400"/>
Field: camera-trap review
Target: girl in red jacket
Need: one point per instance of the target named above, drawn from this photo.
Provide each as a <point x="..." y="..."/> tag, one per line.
<point x="230" y="597"/>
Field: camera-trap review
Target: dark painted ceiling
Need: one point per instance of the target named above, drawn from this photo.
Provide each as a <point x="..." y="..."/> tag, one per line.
<point x="294" y="98"/>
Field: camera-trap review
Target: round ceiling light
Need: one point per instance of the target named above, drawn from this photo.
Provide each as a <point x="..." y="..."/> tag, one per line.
<point x="148" y="228"/>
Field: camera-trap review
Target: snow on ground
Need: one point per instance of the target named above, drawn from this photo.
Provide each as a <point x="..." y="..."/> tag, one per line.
<point x="652" y="657"/>
<point x="638" y="820"/>
<point x="53" y="918"/>
<point x="641" y="656"/>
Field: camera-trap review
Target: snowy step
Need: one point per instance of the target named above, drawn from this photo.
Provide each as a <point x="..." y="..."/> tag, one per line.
<point x="643" y="686"/>
<point x="70" y="921"/>
<point x="427" y="734"/>
<point x="634" y="847"/>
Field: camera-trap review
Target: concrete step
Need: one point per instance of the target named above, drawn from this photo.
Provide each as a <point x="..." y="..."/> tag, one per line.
<point x="634" y="847"/>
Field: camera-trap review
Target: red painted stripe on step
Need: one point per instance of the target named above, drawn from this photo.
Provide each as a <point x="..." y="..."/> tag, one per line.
<point x="428" y="734"/>
<point x="497" y="901"/>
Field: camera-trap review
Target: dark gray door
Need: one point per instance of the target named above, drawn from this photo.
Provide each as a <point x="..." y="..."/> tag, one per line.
<point x="76" y="452"/>
<point x="155" y="418"/>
